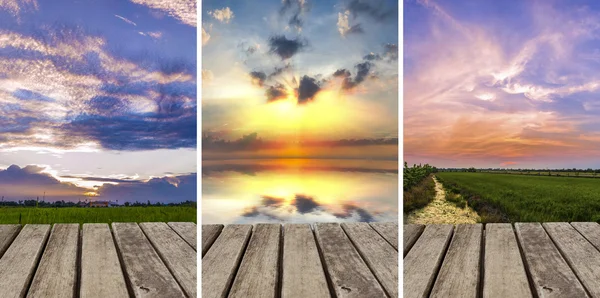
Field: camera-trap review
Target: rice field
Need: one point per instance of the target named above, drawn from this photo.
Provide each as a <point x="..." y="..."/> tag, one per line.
<point x="528" y="198"/>
<point x="32" y="215"/>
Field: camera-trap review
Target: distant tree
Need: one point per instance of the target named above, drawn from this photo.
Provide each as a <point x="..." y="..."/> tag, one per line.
<point x="126" y="204"/>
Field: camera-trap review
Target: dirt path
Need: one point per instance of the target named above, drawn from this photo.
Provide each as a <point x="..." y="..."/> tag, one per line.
<point x="440" y="211"/>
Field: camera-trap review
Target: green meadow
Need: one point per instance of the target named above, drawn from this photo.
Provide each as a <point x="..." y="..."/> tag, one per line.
<point x="527" y="198"/>
<point x="48" y="215"/>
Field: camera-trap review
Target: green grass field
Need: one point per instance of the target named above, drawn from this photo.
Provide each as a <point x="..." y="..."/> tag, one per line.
<point x="32" y="215"/>
<point x="529" y="198"/>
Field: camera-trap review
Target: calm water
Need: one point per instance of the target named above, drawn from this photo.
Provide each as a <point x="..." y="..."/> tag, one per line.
<point x="299" y="191"/>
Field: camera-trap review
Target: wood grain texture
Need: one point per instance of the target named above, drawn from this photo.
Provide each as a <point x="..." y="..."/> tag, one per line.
<point x="187" y="230"/>
<point x="504" y="271"/>
<point x="101" y="274"/>
<point x="147" y="274"/>
<point x="220" y="263"/>
<point x="7" y="235"/>
<point x="387" y="230"/>
<point x="379" y="255"/>
<point x="258" y="273"/>
<point x="350" y="275"/>
<point x="56" y="275"/>
<point x="589" y="230"/>
<point x="18" y="264"/>
<point x="581" y="255"/>
<point x="303" y="274"/>
<point x="551" y="275"/>
<point x="410" y="236"/>
<point x="177" y="254"/>
<point x="209" y="235"/>
<point x="459" y="274"/>
<point x="423" y="260"/>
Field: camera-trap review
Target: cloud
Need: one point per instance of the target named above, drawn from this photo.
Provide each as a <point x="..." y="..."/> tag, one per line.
<point x="276" y="92"/>
<point x="205" y="37"/>
<point x="31" y="182"/>
<point x="126" y="20"/>
<point x="182" y="10"/>
<point x="15" y="7"/>
<point x="363" y="70"/>
<point x="258" y="78"/>
<point x="286" y="48"/>
<point x="344" y="27"/>
<point x="372" y="8"/>
<point x="508" y="163"/>
<point x="165" y="190"/>
<point x="223" y="15"/>
<point x="391" y="51"/>
<point x="351" y="210"/>
<point x="207" y="76"/>
<point x="297" y="8"/>
<point x="305" y="204"/>
<point x="307" y="89"/>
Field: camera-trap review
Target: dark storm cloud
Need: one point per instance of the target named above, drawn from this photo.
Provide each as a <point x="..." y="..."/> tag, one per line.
<point x="305" y="204"/>
<point x="286" y="48"/>
<point x="165" y="190"/>
<point x="372" y="8"/>
<point x="270" y="201"/>
<point x="355" y="29"/>
<point x="29" y="182"/>
<point x="372" y="56"/>
<point x="258" y="78"/>
<point x="350" y="210"/>
<point x="279" y="70"/>
<point x="307" y="89"/>
<point x="391" y="51"/>
<point x="173" y="127"/>
<point x="276" y="92"/>
<point x="361" y="74"/>
<point x="297" y="8"/>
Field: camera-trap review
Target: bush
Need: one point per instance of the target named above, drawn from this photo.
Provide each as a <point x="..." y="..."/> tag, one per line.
<point x="419" y="195"/>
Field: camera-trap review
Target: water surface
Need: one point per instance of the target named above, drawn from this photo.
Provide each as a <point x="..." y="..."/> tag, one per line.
<point x="299" y="191"/>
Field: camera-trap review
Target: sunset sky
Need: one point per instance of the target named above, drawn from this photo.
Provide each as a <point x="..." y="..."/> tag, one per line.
<point x="502" y="83"/>
<point x="297" y="78"/>
<point x="98" y="97"/>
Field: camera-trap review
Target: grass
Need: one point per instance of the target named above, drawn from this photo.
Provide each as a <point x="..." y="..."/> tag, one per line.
<point x="512" y="198"/>
<point x="419" y="195"/>
<point x="32" y="215"/>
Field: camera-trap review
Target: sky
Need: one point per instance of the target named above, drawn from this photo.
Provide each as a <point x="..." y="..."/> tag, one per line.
<point x="98" y="99"/>
<point x="300" y="79"/>
<point x="502" y="84"/>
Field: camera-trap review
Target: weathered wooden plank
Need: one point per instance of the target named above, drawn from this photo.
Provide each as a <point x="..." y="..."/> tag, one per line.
<point x="387" y="230"/>
<point x="258" y="273"/>
<point x="220" y="263"/>
<point x="7" y="235"/>
<point x="411" y="234"/>
<point x="20" y="259"/>
<point x="589" y="230"/>
<point x="303" y="274"/>
<point x="350" y="275"/>
<point x="504" y="274"/>
<point x="147" y="274"/>
<point x="177" y="254"/>
<point x="381" y="257"/>
<point x="101" y="274"/>
<point x="462" y="256"/>
<point x="209" y="235"/>
<point x="56" y="273"/>
<point x="550" y="274"/>
<point x="187" y="230"/>
<point x="580" y="254"/>
<point x="423" y="260"/>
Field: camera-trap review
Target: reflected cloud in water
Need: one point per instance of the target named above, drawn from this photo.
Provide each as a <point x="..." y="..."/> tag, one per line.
<point x="299" y="191"/>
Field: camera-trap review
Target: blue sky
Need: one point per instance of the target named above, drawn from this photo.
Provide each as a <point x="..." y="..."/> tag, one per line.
<point x="97" y="90"/>
<point x="502" y="83"/>
<point x="299" y="71"/>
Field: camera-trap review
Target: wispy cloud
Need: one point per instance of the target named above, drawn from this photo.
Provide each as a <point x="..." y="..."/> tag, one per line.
<point x="126" y="20"/>
<point x="182" y="10"/>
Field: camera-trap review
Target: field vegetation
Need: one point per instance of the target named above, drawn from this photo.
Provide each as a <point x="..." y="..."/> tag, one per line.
<point x="512" y="198"/>
<point x="419" y="187"/>
<point x="21" y="214"/>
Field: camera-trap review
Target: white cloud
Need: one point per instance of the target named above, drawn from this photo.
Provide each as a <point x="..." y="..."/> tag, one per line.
<point x="16" y="6"/>
<point x="205" y="37"/>
<point x="223" y="15"/>
<point x="342" y="22"/>
<point x="126" y="20"/>
<point x="182" y="10"/>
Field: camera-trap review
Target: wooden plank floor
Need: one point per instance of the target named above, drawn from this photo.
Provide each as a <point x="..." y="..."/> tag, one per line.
<point x="98" y="260"/>
<point x="502" y="260"/>
<point x="300" y="260"/>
